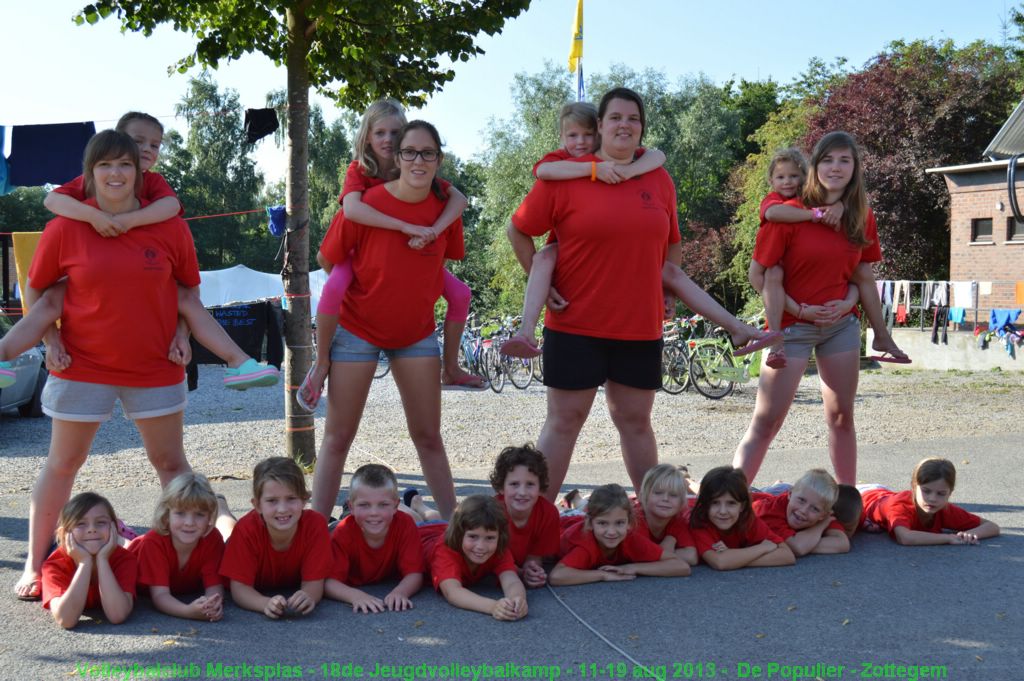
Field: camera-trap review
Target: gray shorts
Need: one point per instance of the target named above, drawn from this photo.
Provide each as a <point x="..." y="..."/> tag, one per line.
<point x="348" y="347"/>
<point x="94" y="402"/>
<point x="843" y="336"/>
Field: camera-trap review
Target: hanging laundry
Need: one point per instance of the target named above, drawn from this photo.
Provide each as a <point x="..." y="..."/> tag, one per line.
<point x="902" y="295"/>
<point x="940" y="321"/>
<point x="963" y="293"/>
<point x="886" y="295"/>
<point x="1018" y="296"/>
<point x="5" y="188"/>
<point x="259" y="123"/>
<point x="957" y="315"/>
<point x="47" y="154"/>
<point x="999" y="319"/>
<point x="940" y="294"/>
<point x="278" y="218"/>
<point x="985" y="288"/>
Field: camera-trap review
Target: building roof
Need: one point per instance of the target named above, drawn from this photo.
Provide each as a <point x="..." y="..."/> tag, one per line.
<point x="1009" y="141"/>
<point x="974" y="167"/>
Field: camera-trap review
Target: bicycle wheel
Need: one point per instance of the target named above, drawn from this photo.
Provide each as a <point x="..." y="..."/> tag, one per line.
<point x="491" y="361"/>
<point x="538" y="368"/>
<point x="383" y="366"/>
<point x="704" y="362"/>
<point x="519" y="370"/>
<point x="675" y="369"/>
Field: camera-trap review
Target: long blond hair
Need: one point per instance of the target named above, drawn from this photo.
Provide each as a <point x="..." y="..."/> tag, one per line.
<point x="384" y="108"/>
<point x="854" y="198"/>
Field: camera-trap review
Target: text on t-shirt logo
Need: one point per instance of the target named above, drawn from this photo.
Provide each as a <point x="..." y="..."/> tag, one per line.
<point x="152" y="261"/>
<point x="648" y="200"/>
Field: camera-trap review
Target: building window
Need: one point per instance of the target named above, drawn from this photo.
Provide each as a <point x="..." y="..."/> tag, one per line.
<point x="981" y="229"/>
<point x="1014" y="230"/>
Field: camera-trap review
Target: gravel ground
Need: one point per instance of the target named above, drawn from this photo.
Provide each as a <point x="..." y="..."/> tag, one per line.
<point x="227" y="432"/>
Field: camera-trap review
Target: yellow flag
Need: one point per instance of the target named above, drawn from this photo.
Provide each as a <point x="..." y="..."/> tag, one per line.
<point x="576" y="51"/>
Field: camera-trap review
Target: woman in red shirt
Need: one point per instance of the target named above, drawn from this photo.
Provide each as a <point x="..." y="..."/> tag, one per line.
<point x="390" y="307"/>
<point x="614" y="241"/>
<point x="120" y="315"/>
<point x="818" y="261"/>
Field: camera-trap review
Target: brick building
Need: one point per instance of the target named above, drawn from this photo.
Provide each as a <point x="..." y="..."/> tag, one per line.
<point x="986" y="241"/>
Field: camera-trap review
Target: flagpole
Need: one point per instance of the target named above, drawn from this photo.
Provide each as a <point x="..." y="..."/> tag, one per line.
<point x="576" y="51"/>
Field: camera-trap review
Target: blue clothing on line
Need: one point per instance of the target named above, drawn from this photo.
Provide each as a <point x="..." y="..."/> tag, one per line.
<point x="999" y="318"/>
<point x="47" y="154"/>
<point x="5" y="187"/>
<point x="957" y="314"/>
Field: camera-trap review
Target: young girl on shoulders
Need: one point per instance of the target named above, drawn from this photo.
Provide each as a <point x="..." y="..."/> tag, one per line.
<point x="727" y="532"/>
<point x="607" y="547"/>
<point x="787" y="173"/>
<point x="520" y="476"/>
<point x="662" y="513"/>
<point x="921" y="515"/>
<point x="473" y="546"/>
<point x="374" y="164"/>
<point x="159" y="203"/>
<point x="181" y="555"/>
<point x="278" y="546"/>
<point x="88" y="570"/>
<point x="577" y="125"/>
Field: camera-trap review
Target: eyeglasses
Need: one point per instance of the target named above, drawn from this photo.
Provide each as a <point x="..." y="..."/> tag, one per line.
<point x="428" y="155"/>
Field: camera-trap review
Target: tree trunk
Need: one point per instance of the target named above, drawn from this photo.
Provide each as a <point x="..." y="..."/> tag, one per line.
<point x="300" y="442"/>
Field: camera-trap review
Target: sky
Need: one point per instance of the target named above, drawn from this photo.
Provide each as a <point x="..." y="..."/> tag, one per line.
<point x="58" y="72"/>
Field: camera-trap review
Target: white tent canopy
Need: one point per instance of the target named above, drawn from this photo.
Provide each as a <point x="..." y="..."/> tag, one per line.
<point x="239" y="284"/>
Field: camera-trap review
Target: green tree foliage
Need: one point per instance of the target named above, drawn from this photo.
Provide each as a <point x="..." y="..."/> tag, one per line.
<point x="213" y="173"/>
<point x="354" y="51"/>
<point x="753" y="101"/>
<point x="22" y="210"/>
<point x="915" y="106"/>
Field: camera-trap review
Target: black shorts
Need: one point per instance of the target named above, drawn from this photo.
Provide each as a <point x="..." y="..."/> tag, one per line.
<point x="575" y="362"/>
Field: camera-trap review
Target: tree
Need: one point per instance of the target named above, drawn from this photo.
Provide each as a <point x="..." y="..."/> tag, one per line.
<point x="213" y="174"/>
<point x="367" y="49"/>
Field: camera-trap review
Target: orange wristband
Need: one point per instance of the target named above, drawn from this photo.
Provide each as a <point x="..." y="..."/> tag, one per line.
<point x="593" y="171"/>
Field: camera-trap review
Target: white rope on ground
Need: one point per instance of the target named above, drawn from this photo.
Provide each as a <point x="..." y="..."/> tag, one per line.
<point x="372" y="456"/>
<point x="647" y="671"/>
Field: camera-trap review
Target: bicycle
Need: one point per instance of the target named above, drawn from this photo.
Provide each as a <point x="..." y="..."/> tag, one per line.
<point x="713" y="369"/>
<point x="675" y="356"/>
<point x="518" y="369"/>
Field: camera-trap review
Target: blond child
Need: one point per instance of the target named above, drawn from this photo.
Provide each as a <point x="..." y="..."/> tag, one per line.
<point x="70" y="201"/>
<point x="921" y="515"/>
<point x="181" y="554"/>
<point x="804" y="516"/>
<point x="661" y="511"/>
<point x="88" y="569"/>
<point x="374" y="543"/>
<point x="278" y="546"/>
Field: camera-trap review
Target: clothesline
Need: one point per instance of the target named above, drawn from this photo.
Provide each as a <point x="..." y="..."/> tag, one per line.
<point x="197" y="217"/>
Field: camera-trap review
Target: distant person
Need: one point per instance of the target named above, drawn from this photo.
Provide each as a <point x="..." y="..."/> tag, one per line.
<point x="922" y="515"/>
<point x="376" y="149"/>
<point x="618" y="245"/>
<point x="119" y="316"/>
<point x="389" y="308"/>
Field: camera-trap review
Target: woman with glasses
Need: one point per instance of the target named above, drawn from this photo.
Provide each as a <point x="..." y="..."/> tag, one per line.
<point x="389" y="307"/>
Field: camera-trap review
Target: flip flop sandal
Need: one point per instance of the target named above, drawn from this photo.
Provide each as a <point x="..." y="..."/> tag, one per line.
<point x="771" y="338"/>
<point x="468" y="382"/>
<point x="314" y="400"/>
<point x="890" y="358"/>
<point x="776" y="359"/>
<point x="34" y="593"/>
<point x="518" y="347"/>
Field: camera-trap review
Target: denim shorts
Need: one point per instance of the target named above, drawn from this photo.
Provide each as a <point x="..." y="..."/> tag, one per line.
<point x="348" y="347"/>
<point x="94" y="402"/>
<point x="843" y="336"/>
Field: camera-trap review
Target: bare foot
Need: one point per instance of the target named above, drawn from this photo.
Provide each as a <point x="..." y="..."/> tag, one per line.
<point x="460" y="377"/>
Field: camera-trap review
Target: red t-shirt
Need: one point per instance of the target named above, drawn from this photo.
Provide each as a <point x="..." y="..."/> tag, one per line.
<point x="580" y="550"/>
<point x="356" y="563"/>
<point x="121" y="306"/>
<point x="771" y="509"/>
<point x="59" y="568"/>
<point x="773" y="199"/>
<point x="154" y="188"/>
<point x="390" y="302"/>
<point x="250" y="558"/>
<point x="817" y="259"/>
<point x="678" y="527"/>
<point x="612" y="244"/>
<point x="358" y="181"/>
<point x="756" y="532"/>
<point x="158" y="562"/>
<point x="890" y="510"/>
<point x="539" y="536"/>
<point x="444" y="563"/>
<point x="564" y="155"/>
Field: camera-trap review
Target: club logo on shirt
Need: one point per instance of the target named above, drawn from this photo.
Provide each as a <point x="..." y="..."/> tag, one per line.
<point x="152" y="259"/>
<point x="648" y="201"/>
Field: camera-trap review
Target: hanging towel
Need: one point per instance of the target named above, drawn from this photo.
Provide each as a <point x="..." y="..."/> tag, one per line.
<point x="963" y="293"/>
<point x="940" y="294"/>
<point x="47" y="154"/>
<point x="259" y="123"/>
<point x="278" y="217"/>
<point x="999" y="318"/>
<point x="1018" y="289"/>
<point x="5" y="187"/>
<point x="985" y="288"/>
<point x="902" y="295"/>
<point x="957" y="315"/>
